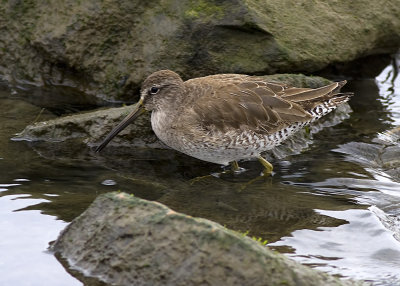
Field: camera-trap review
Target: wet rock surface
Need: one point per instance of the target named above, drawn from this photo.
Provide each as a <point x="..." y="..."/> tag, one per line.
<point x="90" y="127"/>
<point x="107" y="48"/>
<point x="124" y="240"/>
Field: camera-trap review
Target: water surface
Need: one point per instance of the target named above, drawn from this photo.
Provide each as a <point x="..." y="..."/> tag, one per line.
<point x="323" y="207"/>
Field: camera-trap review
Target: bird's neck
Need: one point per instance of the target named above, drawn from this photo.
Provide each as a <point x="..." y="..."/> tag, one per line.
<point x="162" y="123"/>
<point x="164" y="115"/>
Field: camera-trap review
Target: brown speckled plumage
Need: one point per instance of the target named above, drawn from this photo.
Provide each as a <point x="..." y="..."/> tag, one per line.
<point x="228" y="117"/>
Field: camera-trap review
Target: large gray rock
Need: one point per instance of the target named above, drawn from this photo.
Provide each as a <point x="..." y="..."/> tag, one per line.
<point x="96" y="46"/>
<point x="124" y="240"/>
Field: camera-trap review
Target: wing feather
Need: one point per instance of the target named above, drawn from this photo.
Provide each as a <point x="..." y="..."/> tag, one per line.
<point x="248" y="103"/>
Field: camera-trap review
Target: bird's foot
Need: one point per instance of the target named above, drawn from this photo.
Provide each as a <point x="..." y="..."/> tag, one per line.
<point x="236" y="169"/>
<point x="267" y="166"/>
<point x="267" y="172"/>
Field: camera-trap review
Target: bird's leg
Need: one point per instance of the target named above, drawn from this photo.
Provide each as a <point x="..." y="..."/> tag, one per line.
<point x="267" y="165"/>
<point x="235" y="166"/>
<point x="266" y="172"/>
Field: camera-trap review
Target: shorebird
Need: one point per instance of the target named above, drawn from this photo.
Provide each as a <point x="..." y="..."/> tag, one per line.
<point x="225" y="118"/>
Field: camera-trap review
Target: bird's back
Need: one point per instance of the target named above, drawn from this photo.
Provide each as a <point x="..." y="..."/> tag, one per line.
<point x="239" y="102"/>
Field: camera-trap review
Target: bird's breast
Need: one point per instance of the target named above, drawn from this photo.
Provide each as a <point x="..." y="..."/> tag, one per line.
<point x="163" y="126"/>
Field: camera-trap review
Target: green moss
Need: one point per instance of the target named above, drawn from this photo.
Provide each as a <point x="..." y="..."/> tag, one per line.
<point x="24" y="11"/>
<point x="246" y="233"/>
<point x="204" y="9"/>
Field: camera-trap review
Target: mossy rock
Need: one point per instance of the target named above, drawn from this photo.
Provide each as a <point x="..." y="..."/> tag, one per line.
<point x="124" y="240"/>
<point x="96" y="46"/>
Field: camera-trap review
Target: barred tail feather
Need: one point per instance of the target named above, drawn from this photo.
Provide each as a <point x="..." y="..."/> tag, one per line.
<point x="341" y="98"/>
<point x="329" y="105"/>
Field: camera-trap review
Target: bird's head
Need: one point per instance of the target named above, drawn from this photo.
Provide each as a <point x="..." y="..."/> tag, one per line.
<point x="159" y="88"/>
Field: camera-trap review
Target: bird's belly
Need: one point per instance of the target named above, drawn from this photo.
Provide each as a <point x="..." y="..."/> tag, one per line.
<point x="220" y="148"/>
<point x="234" y="147"/>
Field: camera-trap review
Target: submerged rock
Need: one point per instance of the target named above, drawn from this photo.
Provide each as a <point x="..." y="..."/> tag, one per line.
<point x="382" y="154"/>
<point x="124" y="240"/>
<point x="90" y="127"/>
<point x="96" y="45"/>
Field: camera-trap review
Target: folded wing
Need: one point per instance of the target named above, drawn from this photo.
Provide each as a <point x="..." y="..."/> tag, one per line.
<point x="263" y="107"/>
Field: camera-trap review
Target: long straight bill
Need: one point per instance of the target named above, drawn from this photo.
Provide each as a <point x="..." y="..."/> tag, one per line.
<point x="136" y="112"/>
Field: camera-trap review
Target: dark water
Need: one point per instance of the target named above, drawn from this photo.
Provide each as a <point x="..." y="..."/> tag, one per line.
<point x="322" y="207"/>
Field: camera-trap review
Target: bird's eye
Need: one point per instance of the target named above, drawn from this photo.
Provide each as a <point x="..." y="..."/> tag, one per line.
<point x="154" y="90"/>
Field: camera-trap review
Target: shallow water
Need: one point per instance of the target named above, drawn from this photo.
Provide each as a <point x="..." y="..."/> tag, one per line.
<point x="322" y="207"/>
